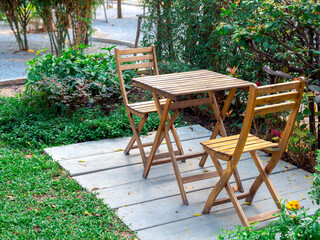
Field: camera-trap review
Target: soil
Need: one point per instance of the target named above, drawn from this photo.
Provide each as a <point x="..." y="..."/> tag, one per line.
<point x="10" y="91"/>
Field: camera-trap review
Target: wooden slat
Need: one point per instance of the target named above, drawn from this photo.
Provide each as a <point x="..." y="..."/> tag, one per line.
<point x="165" y="155"/>
<point x="263" y="216"/>
<point x="178" y="158"/>
<point x="136" y="58"/>
<point x="278" y="87"/>
<point x="221" y="139"/>
<point x="171" y="75"/>
<point x="274" y="108"/>
<point x="225" y="141"/>
<point x="190" y="103"/>
<point x="206" y="88"/>
<point x="135" y="50"/>
<point x="200" y="177"/>
<point x="230" y="146"/>
<point x="277" y="98"/>
<point x="143" y="145"/>
<point x="146" y="103"/>
<point x="137" y="66"/>
<point x="226" y="199"/>
<point x="182" y="78"/>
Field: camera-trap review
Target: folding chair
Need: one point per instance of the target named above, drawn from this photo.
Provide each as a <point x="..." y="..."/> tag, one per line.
<point x="146" y="59"/>
<point x="275" y="98"/>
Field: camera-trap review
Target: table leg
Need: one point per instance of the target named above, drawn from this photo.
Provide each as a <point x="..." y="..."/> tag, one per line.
<point x="157" y="139"/>
<point x="173" y="129"/>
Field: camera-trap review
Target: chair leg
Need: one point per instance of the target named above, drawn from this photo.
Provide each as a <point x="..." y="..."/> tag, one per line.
<point x="266" y="179"/>
<point x="259" y="180"/>
<point x="137" y="138"/>
<point x="231" y="194"/>
<point x="219" y="185"/>
<point x="133" y="139"/>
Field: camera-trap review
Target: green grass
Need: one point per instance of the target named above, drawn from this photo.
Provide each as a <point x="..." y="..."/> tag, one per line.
<point x="37" y="198"/>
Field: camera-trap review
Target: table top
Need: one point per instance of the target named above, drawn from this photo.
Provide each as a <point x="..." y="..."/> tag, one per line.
<point x="177" y="84"/>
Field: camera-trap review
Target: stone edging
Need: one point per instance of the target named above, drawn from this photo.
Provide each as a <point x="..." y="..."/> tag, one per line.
<point x="113" y="41"/>
<point x="12" y="81"/>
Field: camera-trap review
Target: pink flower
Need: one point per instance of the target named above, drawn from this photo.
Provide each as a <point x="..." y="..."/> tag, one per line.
<point x="276" y="132"/>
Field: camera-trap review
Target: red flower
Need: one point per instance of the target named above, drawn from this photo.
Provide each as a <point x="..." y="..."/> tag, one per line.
<point x="276" y="132"/>
<point x="259" y="83"/>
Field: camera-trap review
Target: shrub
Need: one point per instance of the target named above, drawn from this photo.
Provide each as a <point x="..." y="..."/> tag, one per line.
<point x="75" y="79"/>
<point x="315" y="191"/>
<point x="282" y="33"/>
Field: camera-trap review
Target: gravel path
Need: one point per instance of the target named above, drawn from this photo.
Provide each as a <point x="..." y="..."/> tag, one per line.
<point x="13" y="62"/>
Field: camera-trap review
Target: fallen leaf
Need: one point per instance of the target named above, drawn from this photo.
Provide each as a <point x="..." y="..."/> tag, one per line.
<point x="190" y="149"/>
<point x="177" y="211"/>
<point x="87" y="213"/>
<point x="81" y="161"/>
<point x="31" y="51"/>
<point x="28" y="156"/>
<point x="94" y="189"/>
<point x="82" y="165"/>
<point x="187" y="230"/>
<point x="118" y="150"/>
<point x="206" y="170"/>
<point x="189" y="187"/>
<point x="125" y="205"/>
<point x="98" y="214"/>
<point x="247" y="203"/>
<point x="37" y="228"/>
<point x="197" y="214"/>
<point x="235" y="189"/>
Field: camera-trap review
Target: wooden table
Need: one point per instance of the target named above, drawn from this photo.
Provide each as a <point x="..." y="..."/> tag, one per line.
<point x="173" y="87"/>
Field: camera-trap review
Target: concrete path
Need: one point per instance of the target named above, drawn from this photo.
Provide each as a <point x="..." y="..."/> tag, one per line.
<point x="153" y="206"/>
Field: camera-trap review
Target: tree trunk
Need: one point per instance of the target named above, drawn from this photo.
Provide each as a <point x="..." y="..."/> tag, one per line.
<point x="119" y="9"/>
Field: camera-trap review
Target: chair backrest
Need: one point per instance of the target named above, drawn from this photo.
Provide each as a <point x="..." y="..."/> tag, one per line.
<point x="270" y="99"/>
<point x="146" y="59"/>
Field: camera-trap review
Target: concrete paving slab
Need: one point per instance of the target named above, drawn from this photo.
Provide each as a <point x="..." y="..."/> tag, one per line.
<point x="86" y="149"/>
<point x="153" y="213"/>
<point x="207" y="226"/>
<point x="133" y="174"/>
<point x="116" y="159"/>
<point x="152" y="189"/>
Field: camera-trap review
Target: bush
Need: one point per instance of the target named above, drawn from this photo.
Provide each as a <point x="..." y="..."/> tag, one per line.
<point x="315" y="191"/>
<point x="75" y="79"/>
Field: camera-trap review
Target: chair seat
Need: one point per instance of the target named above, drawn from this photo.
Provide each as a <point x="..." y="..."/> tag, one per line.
<point x="145" y="107"/>
<point x="225" y="146"/>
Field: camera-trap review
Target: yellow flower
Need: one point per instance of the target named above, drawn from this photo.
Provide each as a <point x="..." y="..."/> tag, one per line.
<point x="293" y="205"/>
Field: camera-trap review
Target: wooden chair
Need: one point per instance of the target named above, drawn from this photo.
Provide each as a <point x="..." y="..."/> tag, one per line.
<point x="140" y="109"/>
<point x="262" y="100"/>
